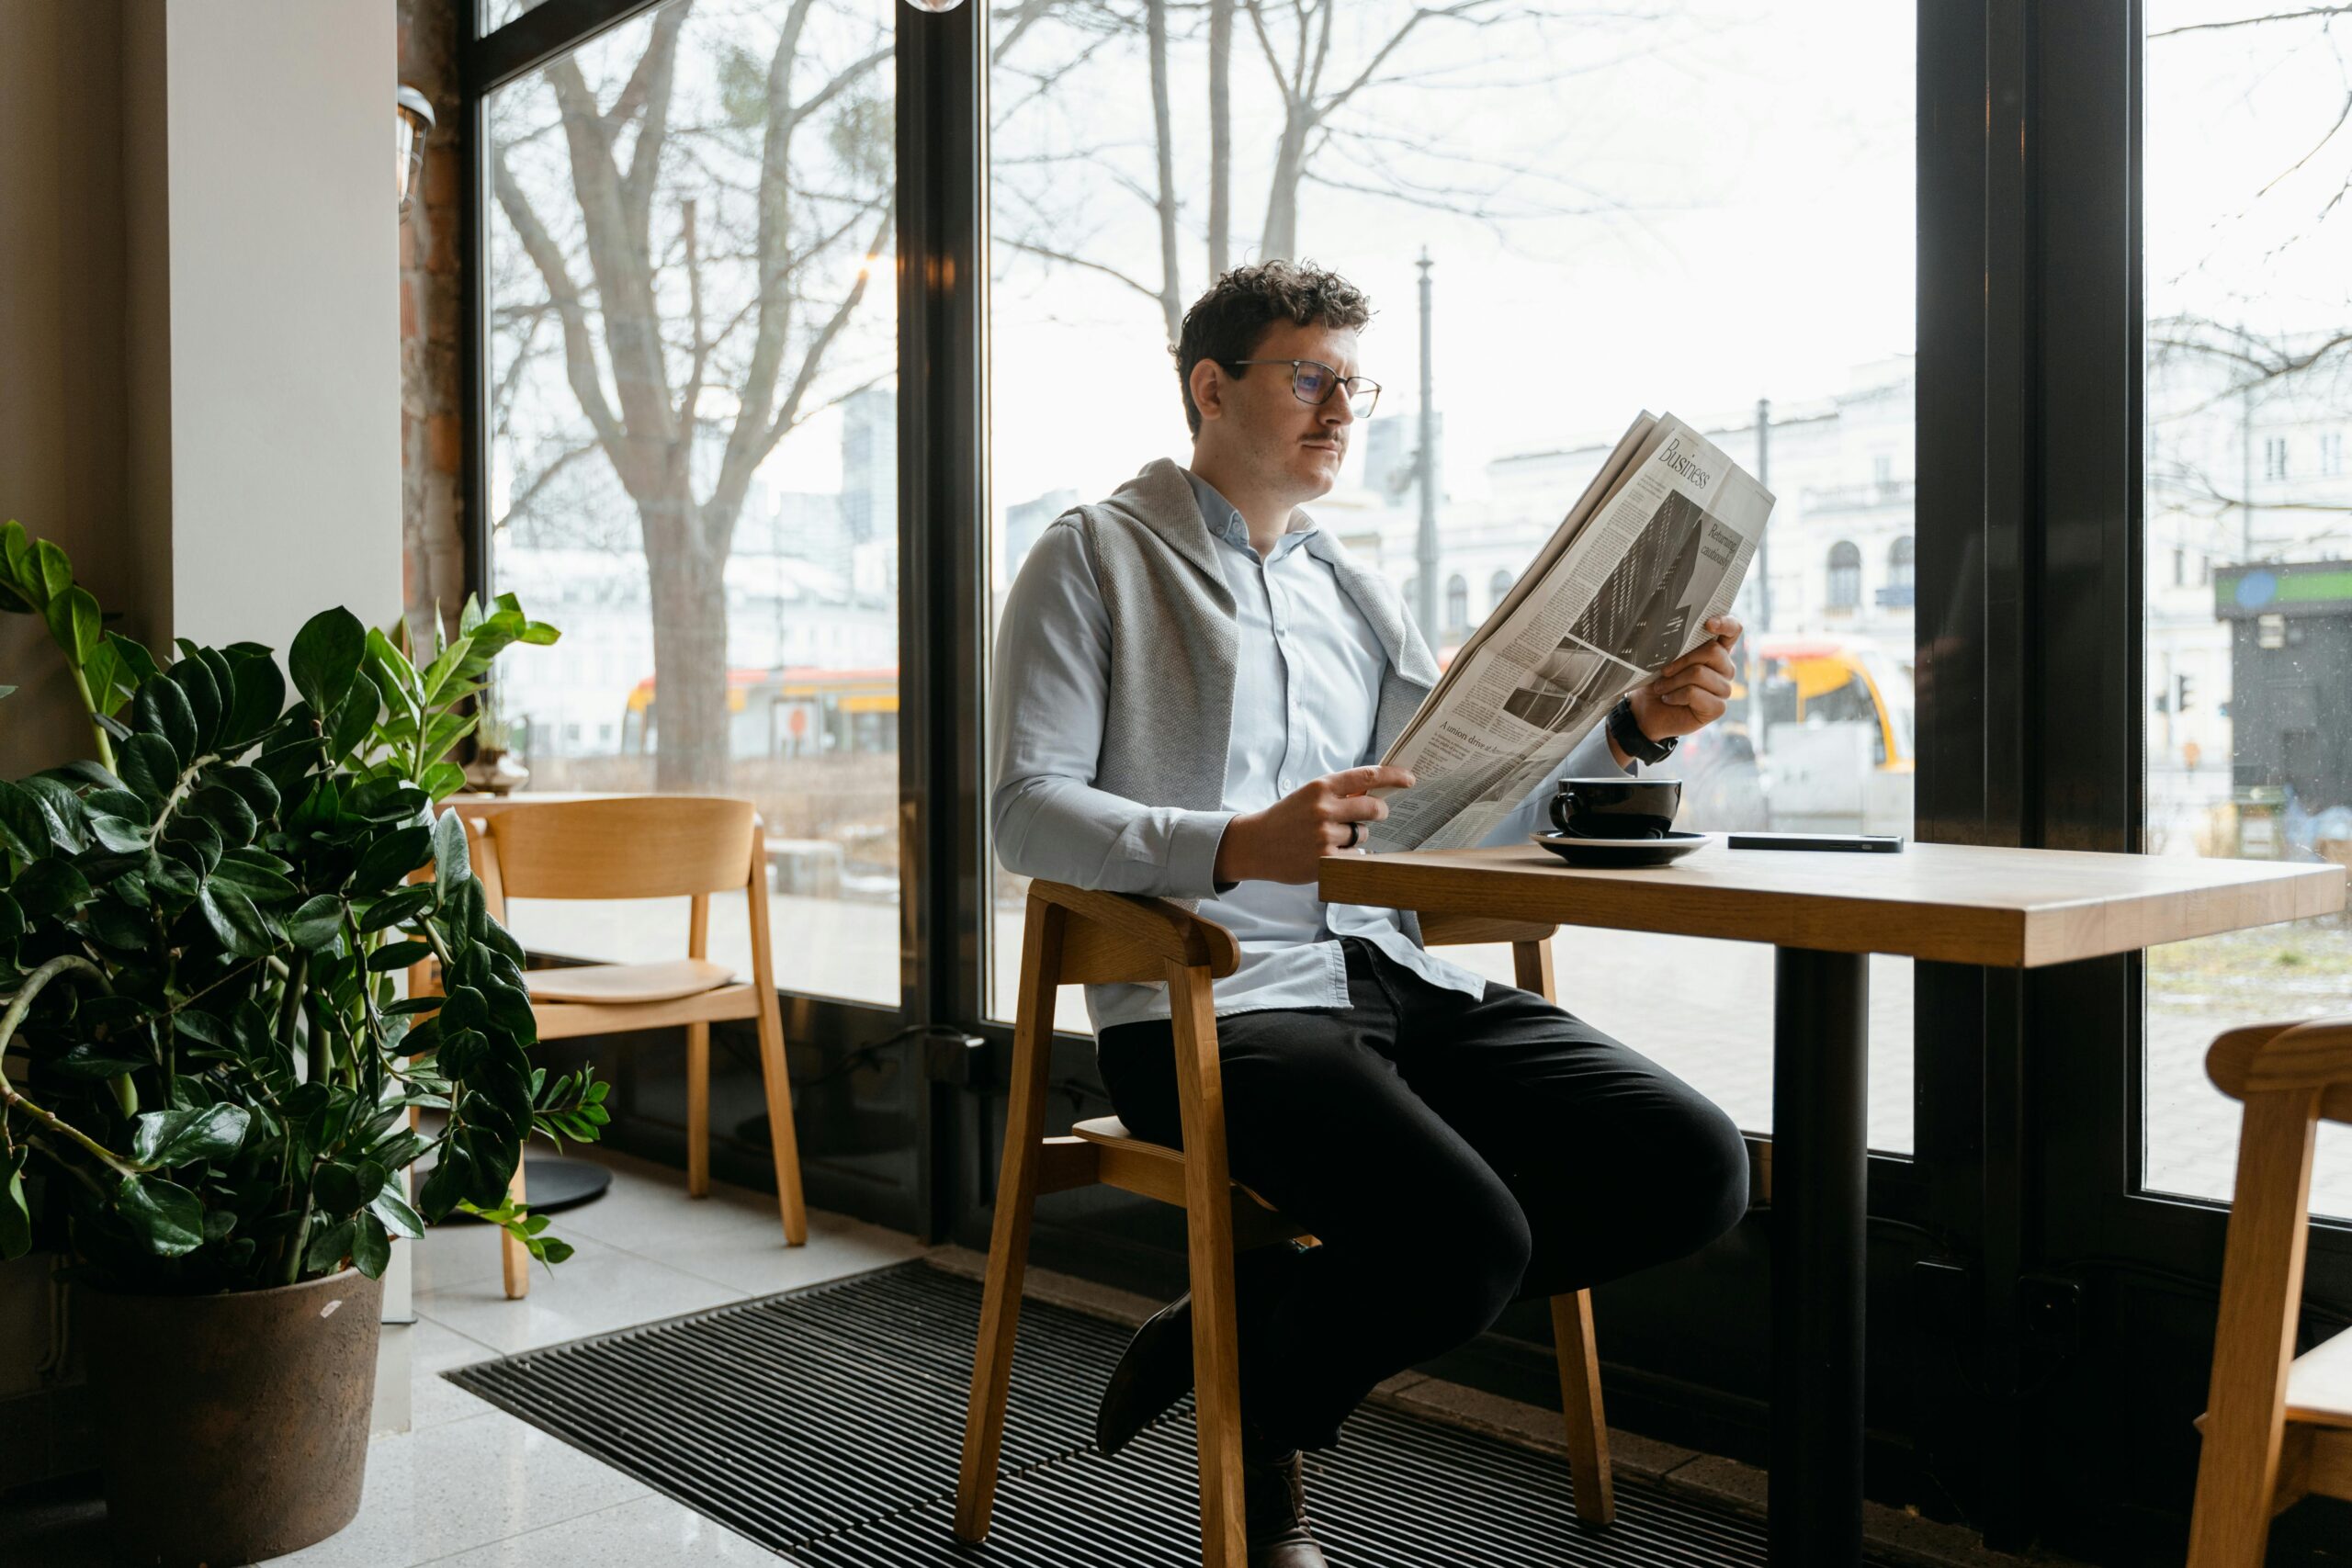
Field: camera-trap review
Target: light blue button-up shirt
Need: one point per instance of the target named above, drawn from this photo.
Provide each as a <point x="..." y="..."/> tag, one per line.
<point x="1305" y="695"/>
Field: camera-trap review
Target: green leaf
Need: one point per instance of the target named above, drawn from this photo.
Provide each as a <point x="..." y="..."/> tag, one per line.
<point x="325" y="656"/>
<point x="181" y="1137"/>
<point x="356" y="716"/>
<point x="371" y="1249"/>
<point x="257" y="696"/>
<point x="398" y="955"/>
<point x="330" y="1247"/>
<point x="165" y="1216"/>
<point x="391" y="858"/>
<point x="445" y="1185"/>
<point x="75" y="622"/>
<point x="120" y="803"/>
<point x="336" y="1189"/>
<point x="15" y="1216"/>
<point x="242" y="928"/>
<point x="149" y="766"/>
<point x="257" y="874"/>
<point x="443" y="780"/>
<point x="194" y="677"/>
<point x="227" y="810"/>
<point x="22" y="822"/>
<point x="119" y="834"/>
<point x="317" y="923"/>
<point x="134" y="657"/>
<point x="450" y="866"/>
<point x="161" y="707"/>
<point x="52" y="573"/>
<point x="254" y="785"/>
<point x="48" y="888"/>
<point x="17" y="554"/>
<point x="443" y="670"/>
<point x="394" y="908"/>
<point x="392" y="1209"/>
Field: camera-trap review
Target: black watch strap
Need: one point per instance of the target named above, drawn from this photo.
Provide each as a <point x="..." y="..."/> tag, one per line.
<point x="1630" y="739"/>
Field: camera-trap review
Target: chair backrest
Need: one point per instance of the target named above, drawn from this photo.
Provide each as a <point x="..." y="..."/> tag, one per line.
<point x="638" y="846"/>
<point x="1111" y="937"/>
<point x="2270" y="1058"/>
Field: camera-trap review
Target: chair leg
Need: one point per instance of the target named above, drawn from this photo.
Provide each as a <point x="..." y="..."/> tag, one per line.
<point x="1208" y="1225"/>
<point x="699" y="1057"/>
<point x="1580" y="1407"/>
<point x="514" y="1259"/>
<point x="784" y="1142"/>
<point x="1016" y="1197"/>
<point x="2262" y="1286"/>
<point x="698" y="1109"/>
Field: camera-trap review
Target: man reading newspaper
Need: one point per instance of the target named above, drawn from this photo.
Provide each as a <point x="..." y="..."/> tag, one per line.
<point x="1194" y="686"/>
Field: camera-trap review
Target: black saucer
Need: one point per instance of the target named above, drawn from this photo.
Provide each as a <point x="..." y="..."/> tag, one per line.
<point x="1577" y="851"/>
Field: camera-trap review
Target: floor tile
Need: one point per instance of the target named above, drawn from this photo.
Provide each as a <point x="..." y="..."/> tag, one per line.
<point x="651" y="1532"/>
<point x="463" y="1484"/>
<point x="593" y="1293"/>
<point x="461" y="1255"/>
<point x="753" y="1258"/>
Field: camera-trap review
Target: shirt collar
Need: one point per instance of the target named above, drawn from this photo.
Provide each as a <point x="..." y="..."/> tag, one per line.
<point x="1226" y="521"/>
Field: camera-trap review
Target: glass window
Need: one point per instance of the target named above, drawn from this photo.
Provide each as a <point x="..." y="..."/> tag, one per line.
<point x="1457" y="605"/>
<point x="1497" y="586"/>
<point x="1572" y="186"/>
<point x="2249" y="675"/>
<point x="1845" y="575"/>
<point x="693" y="467"/>
<point x="1900" y="559"/>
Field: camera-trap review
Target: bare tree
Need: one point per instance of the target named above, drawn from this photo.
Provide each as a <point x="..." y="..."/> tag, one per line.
<point x="1368" y="114"/>
<point x="693" y="347"/>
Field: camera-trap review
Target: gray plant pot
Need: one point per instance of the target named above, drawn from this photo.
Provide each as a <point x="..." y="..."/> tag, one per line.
<point x="232" y="1427"/>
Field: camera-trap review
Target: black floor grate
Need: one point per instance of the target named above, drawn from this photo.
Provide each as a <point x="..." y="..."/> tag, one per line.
<point x="825" y="1424"/>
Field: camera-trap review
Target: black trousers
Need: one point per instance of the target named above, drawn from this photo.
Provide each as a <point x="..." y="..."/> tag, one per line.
<point x="1452" y="1154"/>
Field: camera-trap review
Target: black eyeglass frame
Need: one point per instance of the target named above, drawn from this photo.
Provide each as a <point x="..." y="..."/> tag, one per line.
<point x="1337" y="382"/>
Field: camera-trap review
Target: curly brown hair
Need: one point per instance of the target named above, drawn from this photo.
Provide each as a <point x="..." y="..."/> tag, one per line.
<point x="1231" y="319"/>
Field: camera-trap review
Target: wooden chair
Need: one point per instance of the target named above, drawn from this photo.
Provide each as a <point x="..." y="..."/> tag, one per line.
<point x="647" y="847"/>
<point x="2277" y="1426"/>
<point x="1075" y="936"/>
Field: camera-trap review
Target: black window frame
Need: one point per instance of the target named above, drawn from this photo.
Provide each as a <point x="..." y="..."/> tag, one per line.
<point x="2014" y="1252"/>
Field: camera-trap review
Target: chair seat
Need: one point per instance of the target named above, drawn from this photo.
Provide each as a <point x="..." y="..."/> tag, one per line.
<point x="614" y="985"/>
<point x="2319" y="1385"/>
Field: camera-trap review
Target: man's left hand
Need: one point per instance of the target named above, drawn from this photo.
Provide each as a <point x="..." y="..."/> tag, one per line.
<point x="1692" y="691"/>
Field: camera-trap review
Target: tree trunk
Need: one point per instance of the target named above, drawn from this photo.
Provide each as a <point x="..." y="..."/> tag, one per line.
<point x="1220" y="136"/>
<point x="1281" y="190"/>
<point x="1171" y="290"/>
<point x="687" y="574"/>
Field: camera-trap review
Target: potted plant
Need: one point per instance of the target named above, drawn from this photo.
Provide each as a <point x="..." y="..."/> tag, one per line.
<point x="209" y="1083"/>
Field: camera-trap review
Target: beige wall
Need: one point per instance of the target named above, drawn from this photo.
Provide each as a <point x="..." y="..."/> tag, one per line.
<point x="198" y="322"/>
<point x="62" y="325"/>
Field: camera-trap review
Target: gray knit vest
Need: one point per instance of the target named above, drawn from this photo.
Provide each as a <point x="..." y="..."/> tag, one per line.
<point x="1174" y="640"/>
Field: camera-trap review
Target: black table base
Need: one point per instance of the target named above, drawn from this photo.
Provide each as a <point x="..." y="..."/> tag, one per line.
<point x="1819" y="1212"/>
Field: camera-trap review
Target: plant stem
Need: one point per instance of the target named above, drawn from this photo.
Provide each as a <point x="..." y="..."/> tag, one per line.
<point x="289" y="1011"/>
<point x="11" y="1100"/>
<point x="97" y="730"/>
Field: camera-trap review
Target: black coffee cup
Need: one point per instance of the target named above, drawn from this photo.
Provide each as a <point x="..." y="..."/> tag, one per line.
<point x="1616" y="808"/>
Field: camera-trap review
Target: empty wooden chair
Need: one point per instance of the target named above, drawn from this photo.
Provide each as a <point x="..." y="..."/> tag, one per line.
<point x="2277" y="1426"/>
<point x="1074" y="936"/>
<point x="647" y="847"/>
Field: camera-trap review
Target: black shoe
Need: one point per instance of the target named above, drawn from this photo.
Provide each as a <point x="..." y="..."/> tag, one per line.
<point x="1155" y="1369"/>
<point x="1153" y="1373"/>
<point x="1273" y="1503"/>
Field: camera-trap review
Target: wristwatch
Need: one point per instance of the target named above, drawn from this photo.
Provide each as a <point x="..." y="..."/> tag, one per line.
<point x="1631" y="741"/>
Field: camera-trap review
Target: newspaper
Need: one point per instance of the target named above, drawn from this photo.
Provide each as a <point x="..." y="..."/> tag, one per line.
<point x="1657" y="544"/>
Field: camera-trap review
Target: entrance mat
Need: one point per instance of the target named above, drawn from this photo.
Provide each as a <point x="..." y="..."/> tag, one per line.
<point x="826" y="1423"/>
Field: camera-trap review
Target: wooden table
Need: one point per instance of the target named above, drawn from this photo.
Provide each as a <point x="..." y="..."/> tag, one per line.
<point x="1825" y="912"/>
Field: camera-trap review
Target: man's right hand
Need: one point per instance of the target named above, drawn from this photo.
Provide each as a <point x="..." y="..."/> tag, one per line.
<point x="1284" y="841"/>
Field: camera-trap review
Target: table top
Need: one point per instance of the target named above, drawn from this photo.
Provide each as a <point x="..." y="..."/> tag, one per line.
<point x="1956" y="903"/>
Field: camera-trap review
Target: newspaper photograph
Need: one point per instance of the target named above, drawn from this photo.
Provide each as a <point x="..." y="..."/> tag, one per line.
<point x="1657" y="544"/>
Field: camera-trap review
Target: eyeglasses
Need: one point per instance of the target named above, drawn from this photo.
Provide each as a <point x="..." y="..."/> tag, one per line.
<point x="1312" y="381"/>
